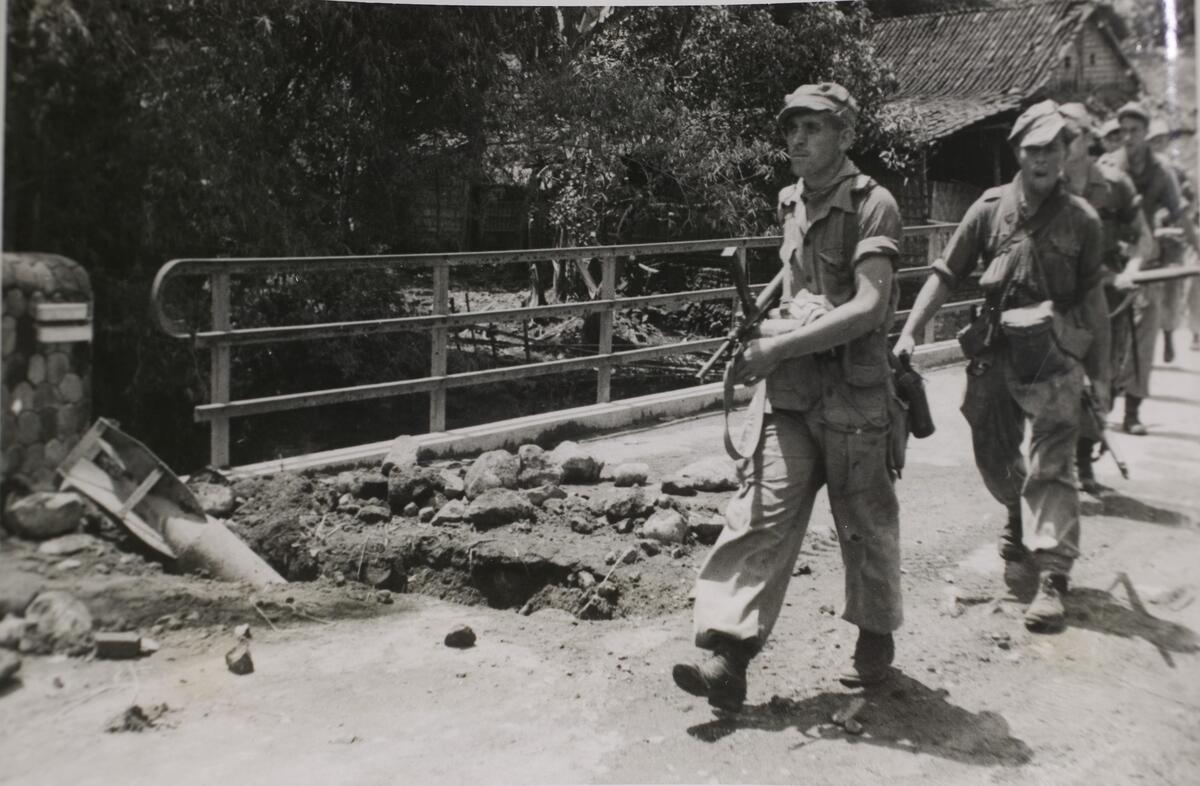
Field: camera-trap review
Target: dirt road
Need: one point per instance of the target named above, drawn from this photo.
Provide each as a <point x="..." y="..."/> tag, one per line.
<point x="550" y="699"/>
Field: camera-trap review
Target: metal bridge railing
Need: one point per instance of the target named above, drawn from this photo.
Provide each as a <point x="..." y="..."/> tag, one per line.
<point x="222" y="336"/>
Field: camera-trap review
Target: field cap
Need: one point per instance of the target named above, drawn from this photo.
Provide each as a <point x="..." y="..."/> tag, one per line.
<point x="1111" y="126"/>
<point x="1157" y="128"/>
<point x="1134" y="109"/>
<point x="1078" y="116"/>
<point x="823" y="97"/>
<point x="1039" y="125"/>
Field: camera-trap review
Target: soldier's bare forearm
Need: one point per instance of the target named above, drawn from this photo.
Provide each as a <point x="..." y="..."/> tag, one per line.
<point x="933" y="295"/>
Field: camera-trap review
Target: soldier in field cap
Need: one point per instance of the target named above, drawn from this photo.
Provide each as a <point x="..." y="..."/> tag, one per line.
<point x="1044" y="322"/>
<point x="823" y="369"/>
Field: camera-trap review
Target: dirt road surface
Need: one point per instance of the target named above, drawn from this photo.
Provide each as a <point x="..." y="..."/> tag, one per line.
<point x="547" y="698"/>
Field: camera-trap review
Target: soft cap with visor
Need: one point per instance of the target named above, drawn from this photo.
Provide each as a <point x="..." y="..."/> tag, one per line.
<point x="1039" y="125"/>
<point x="823" y="97"/>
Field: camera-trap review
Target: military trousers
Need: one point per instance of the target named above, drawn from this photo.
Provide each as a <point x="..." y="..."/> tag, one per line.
<point x="998" y="406"/>
<point x="1171" y="293"/>
<point x="742" y="583"/>
<point x="1134" y="379"/>
<point x="1121" y="334"/>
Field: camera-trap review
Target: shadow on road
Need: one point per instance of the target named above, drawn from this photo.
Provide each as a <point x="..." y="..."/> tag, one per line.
<point x="1188" y="402"/>
<point x="1097" y="610"/>
<point x="1117" y="505"/>
<point x="902" y="714"/>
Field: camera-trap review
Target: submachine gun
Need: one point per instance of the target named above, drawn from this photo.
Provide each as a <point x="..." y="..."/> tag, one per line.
<point x="1092" y="407"/>
<point x="753" y="312"/>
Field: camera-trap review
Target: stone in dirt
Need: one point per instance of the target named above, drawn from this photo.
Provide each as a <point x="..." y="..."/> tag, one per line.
<point x="495" y="469"/>
<point x="242" y="631"/>
<point x="411" y="509"/>
<point x="623" y="503"/>
<point x="118" y="646"/>
<point x="238" y="659"/>
<point x="706" y="527"/>
<point x="578" y="466"/>
<point x="411" y="484"/>
<point x="10" y="664"/>
<point x="461" y="637"/>
<point x="452" y="484"/>
<point x="425" y="514"/>
<point x="59" y="623"/>
<point x="12" y="629"/>
<point x="650" y="548"/>
<point x="216" y="500"/>
<point x="373" y="514"/>
<point x="715" y="473"/>
<point x="584" y="525"/>
<point x="633" y="473"/>
<point x="496" y="507"/>
<point x="370" y="485"/>
<point x="452" y="512"/>
<point x="45" y="514"/>
<point x="665" y="526"/>
<point x="137" y="718"/>
<point x="17" y="590"/>
<point x="542" y="494"/>
<point x="401" y="453"/>
<point x="537" y="469"/>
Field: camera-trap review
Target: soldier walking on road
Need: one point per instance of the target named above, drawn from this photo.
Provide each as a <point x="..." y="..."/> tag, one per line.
<point x="1171" y="246"/>
<point x="1159" y="190"/>
<point x="830" y="392"/>
<point x="1127" y="242"/>
<point x="1044" y="321"/>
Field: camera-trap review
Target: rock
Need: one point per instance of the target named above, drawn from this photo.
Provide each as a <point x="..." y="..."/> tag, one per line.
<point x="118" y="646"/>
<point x="243" y="631"/>
<point x="706" y="528"/>
<point x="10" y="664"/>
<point x="373" y="514"/>
<point x="12" y="629"/>
<point x="67" y="545"/>
<point x="461" y="637"/>
<point x="67" y="564"/>
<point x="627" y="557"/>
<point x="451" y="513"/>
<point x="137" y="718"/>
<point x="216" y="500"/>
<point x="625" y="526"/>
<point x="552" y="505"/>
<point x="425" y="514"/>
<point x="537" y="469"/>
<point x="345" y="482"/>
<point x="411" y="509"/>
<point x="585" y="580"/>
<point x="238" y="659"/>
<point x="632" y="473"/>
<point x="45" y="514"/>
<point x="408" y="483"/>
<point x="624" y="503"/>
<point x="716" y="473"/>
<point x="584" y="525"/>
<point x="679" y="552"/>
<point x="496" y="507"/>
<point x="150" y="646"/>
<point x="59" y="623"/>
<point x="452" y="484"/>
<point x="370" y="485"/>
<point x="346" y="504"/>
<point x="665" y="526"/>
<point x="578" y="466"/>
<point x="542" y="494"/>
<point x="650" y="548"/>
<point x="496" y="469"/>
<point x="17" y="590"/>
<point x="402" y="452"/>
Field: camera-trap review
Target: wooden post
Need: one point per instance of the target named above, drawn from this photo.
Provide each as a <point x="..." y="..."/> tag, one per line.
<point x="608" y="291"/>
<point x="438" y="338"/>
<point x="219" y="371"/>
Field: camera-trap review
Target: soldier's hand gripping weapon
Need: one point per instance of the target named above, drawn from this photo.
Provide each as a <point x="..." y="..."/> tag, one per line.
<point x="1092" y="407"/>
<point x="753" y="312"/>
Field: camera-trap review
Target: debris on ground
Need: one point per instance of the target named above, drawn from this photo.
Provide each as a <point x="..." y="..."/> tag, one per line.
<point x="10" y="664"/>
<point x="44" y="514"/>
<point x="66" y="545"/>
<point x="17" y="590"/>
<point x="137" y="718"/>
<point x="634" y="473"/>
<point x="711" y="474"/>
<point x="665" y="526"/>
<point x="58" y="623"/>
<point x="242" y="631"/>
<point x="113" y="645"/>
<point x="238" y="659"/>
<point x="461" y="637"/>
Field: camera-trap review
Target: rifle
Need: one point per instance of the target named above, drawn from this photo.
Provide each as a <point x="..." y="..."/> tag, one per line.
<point x="753" y="312"/>
<point x="1093" y="409"/>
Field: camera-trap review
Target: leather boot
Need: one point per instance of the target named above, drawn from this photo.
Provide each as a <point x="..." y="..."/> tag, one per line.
<point x="721" y="678"/>
<point x="1083" y="460"/>
<point x="1011" y="547"/>
<point x="873" y="656"/>
<point x="1046" y="614"/>
<point x="1132" y="425"/>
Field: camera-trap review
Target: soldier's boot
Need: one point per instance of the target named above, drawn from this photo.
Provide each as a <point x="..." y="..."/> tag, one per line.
<point x="1046" y="614"/>
<point x="1168" y="347"/>
<point x="1083" y="461"/>
<point x="721" y="679"/>
<point x="1196" y="342"/>
<point x="1132" y="424"/>
<point x="1011" y="547"/>
<point x="873" y="656"/>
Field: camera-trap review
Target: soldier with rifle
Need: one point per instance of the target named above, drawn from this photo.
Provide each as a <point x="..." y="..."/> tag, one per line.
<point x="824" y="372"/>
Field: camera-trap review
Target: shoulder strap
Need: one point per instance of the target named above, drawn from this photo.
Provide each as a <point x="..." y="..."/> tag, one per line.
<point x="1033" y="225"/>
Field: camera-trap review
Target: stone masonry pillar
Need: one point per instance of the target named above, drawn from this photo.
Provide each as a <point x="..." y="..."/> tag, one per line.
<point x="45" y="398"/>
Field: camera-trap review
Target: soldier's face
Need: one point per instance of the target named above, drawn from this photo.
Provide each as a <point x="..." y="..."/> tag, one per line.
<point x="815" y="143"/>
<point x="1134" y="131"/>
<point x="1041" y="164"/>
<point x="1114" y="141"/>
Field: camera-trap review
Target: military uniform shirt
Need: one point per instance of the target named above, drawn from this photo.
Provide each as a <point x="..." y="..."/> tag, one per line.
<point x="1115" y="199"/>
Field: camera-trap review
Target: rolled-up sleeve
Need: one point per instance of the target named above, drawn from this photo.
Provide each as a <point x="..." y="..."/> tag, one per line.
<point x="879" y="227"/>
<point x="961" y="254"/>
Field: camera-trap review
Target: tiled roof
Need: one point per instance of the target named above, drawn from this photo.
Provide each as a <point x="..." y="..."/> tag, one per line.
<point x="959" y="67"/>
